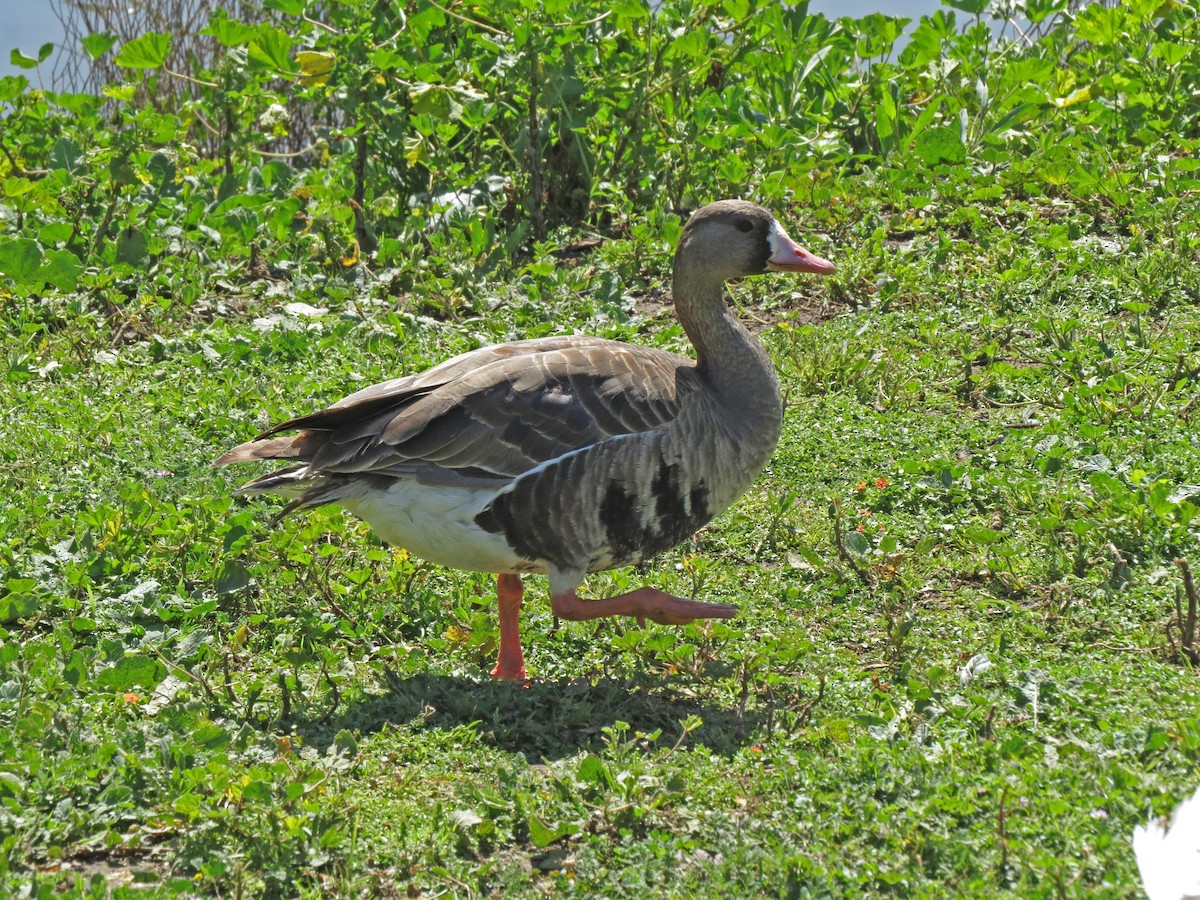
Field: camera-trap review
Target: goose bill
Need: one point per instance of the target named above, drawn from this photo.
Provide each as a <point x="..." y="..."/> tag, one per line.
<point x="788" y="256"/>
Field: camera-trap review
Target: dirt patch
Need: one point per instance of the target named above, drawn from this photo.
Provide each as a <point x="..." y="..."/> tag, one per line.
<point x="119" y="867"/>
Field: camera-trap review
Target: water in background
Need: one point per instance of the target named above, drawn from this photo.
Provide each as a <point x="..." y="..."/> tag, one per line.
<point x="28" y="25"/>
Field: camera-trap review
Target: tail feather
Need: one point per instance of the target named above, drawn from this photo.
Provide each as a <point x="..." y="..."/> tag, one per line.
<point x="294" y="482"/>
<point x="297" y="446"/>
<point x="297" y="483"/>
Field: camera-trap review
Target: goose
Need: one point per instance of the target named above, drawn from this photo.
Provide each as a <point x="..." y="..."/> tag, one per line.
<point x="561" y="455"/>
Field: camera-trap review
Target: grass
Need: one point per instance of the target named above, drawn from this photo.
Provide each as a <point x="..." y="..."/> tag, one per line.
<point x="957" y="670"/>
<point x="975" y="695"/>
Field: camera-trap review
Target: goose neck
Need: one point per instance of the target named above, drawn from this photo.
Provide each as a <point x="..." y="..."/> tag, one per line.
<point x="728" y="356"/>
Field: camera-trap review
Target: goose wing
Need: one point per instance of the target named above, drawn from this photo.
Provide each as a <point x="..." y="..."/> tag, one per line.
<point x="495" y="412"/>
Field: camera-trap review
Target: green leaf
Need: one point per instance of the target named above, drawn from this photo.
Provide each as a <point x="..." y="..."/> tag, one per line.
<point x="1037" y="10"/>
<point x="131" y="247"/>
<point x="1170" y="52"/>
<point x="232" y="577"/>
<point x="19" y="257"/>
<point x="885" y="121"/>
<point x="11" y="785"/>
<point x="132" y="670"/>
<point x="16" y="186"/>
<point x="12" y="87"/>
<point x="288" y="7"/>
<point x="424" y="22"/>
<point x="146" y="52"/>
<point x="21" y="61"/>
<point x="228" y="32"/>
<point x="122" y="92"/>
<point x="257" y="791"/>
<point x="17" y="606"/>
<point x="688" y="45"/>
<point x="211" y="736"/>
<point x="814" y="61"/>
<point x="96" y="45"/>
<point x="1083" y="95"/>
<point x="122" y="170"/>
<point x="857" y="541"/>
<point x="982" y="535"/>
<point x="272" y="48"/>
<point x="542" y="836"/>
<point x="974" y="7"/>
<point x="44" y="51"/>
<point x="631" y="9"/>
<point x="431" y="100"/>
<point x="593" y="771"/>
<point x="162" y="167"/>
<point x="66" y="154"/>
<point x="940" y="144"/>
<point x="61" y="268"/>
<point x="1100" y="25"/>
<point x="75" y="669"/>
<point x="345" y="742"/>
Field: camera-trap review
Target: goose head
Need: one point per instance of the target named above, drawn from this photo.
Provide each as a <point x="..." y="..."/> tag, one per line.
<point x="734" y="238"/>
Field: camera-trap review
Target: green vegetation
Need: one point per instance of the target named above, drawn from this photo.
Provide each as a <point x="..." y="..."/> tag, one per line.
<point x="963" y="665"/>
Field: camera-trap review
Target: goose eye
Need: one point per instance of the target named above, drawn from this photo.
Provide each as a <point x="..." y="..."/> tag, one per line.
<point x="745" y="225"/>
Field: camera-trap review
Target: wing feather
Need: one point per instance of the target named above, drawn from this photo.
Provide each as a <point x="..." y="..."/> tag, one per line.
<point x="496" y="411"/>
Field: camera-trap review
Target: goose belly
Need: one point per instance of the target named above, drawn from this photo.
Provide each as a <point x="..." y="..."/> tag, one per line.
<point x="437" y="524"/>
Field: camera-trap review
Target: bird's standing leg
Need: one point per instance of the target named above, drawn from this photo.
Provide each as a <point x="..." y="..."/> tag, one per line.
<point x="510" y="663"/>
<point x="644" y="603"/>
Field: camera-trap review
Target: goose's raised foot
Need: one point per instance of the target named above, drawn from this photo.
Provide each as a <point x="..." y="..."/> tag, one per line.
<point x="644" y="603"/>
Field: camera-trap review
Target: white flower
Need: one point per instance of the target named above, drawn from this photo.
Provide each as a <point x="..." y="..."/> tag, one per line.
<point x="976" y="665"/>
<point x="275" y="118"/>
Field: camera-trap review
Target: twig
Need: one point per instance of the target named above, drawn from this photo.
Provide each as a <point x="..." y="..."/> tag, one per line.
<point x="337" y="696"/>
<point x="102" y="231"/>
<point x="1001" y="830"/>
<point x="271" y="155"/>
<point x="328" y="28"/>
<point x="228" y="681"/>
<point x="1187" y="629"/>
<point x="19" y="169"/>
<point x="469" y="21"/>
<point x="600" y="18"/>
<point x="189" y="78"/>
<point x="193" y="676"/>
<point x="534" y="153"/>
<point x="286" y="699"/>
<point x="804" y="715"/>
<point x="1116" y="648"/>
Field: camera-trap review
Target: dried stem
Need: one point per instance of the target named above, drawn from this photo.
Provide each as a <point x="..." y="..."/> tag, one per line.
<point x="1187" y="625"/>
<point x="534" y="151"/>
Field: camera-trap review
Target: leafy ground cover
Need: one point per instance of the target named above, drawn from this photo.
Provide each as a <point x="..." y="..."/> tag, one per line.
<point x="964" y="664"/>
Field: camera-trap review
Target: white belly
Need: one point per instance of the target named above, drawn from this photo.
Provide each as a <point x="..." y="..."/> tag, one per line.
<point x="437" y="523"/>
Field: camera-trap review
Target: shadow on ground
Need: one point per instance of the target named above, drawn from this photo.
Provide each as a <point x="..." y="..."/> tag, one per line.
<point x="545" y="720"/>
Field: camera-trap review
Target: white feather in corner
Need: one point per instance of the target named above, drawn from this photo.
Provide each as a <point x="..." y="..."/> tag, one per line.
<point x="1169" y="858"/>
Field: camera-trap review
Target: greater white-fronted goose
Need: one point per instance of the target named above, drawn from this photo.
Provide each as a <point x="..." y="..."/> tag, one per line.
<point x="562" y="455"/>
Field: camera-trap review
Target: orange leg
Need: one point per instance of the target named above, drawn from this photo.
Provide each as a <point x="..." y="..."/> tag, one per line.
<point x="644" y="603"/>
<point x="511" y="662"/>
